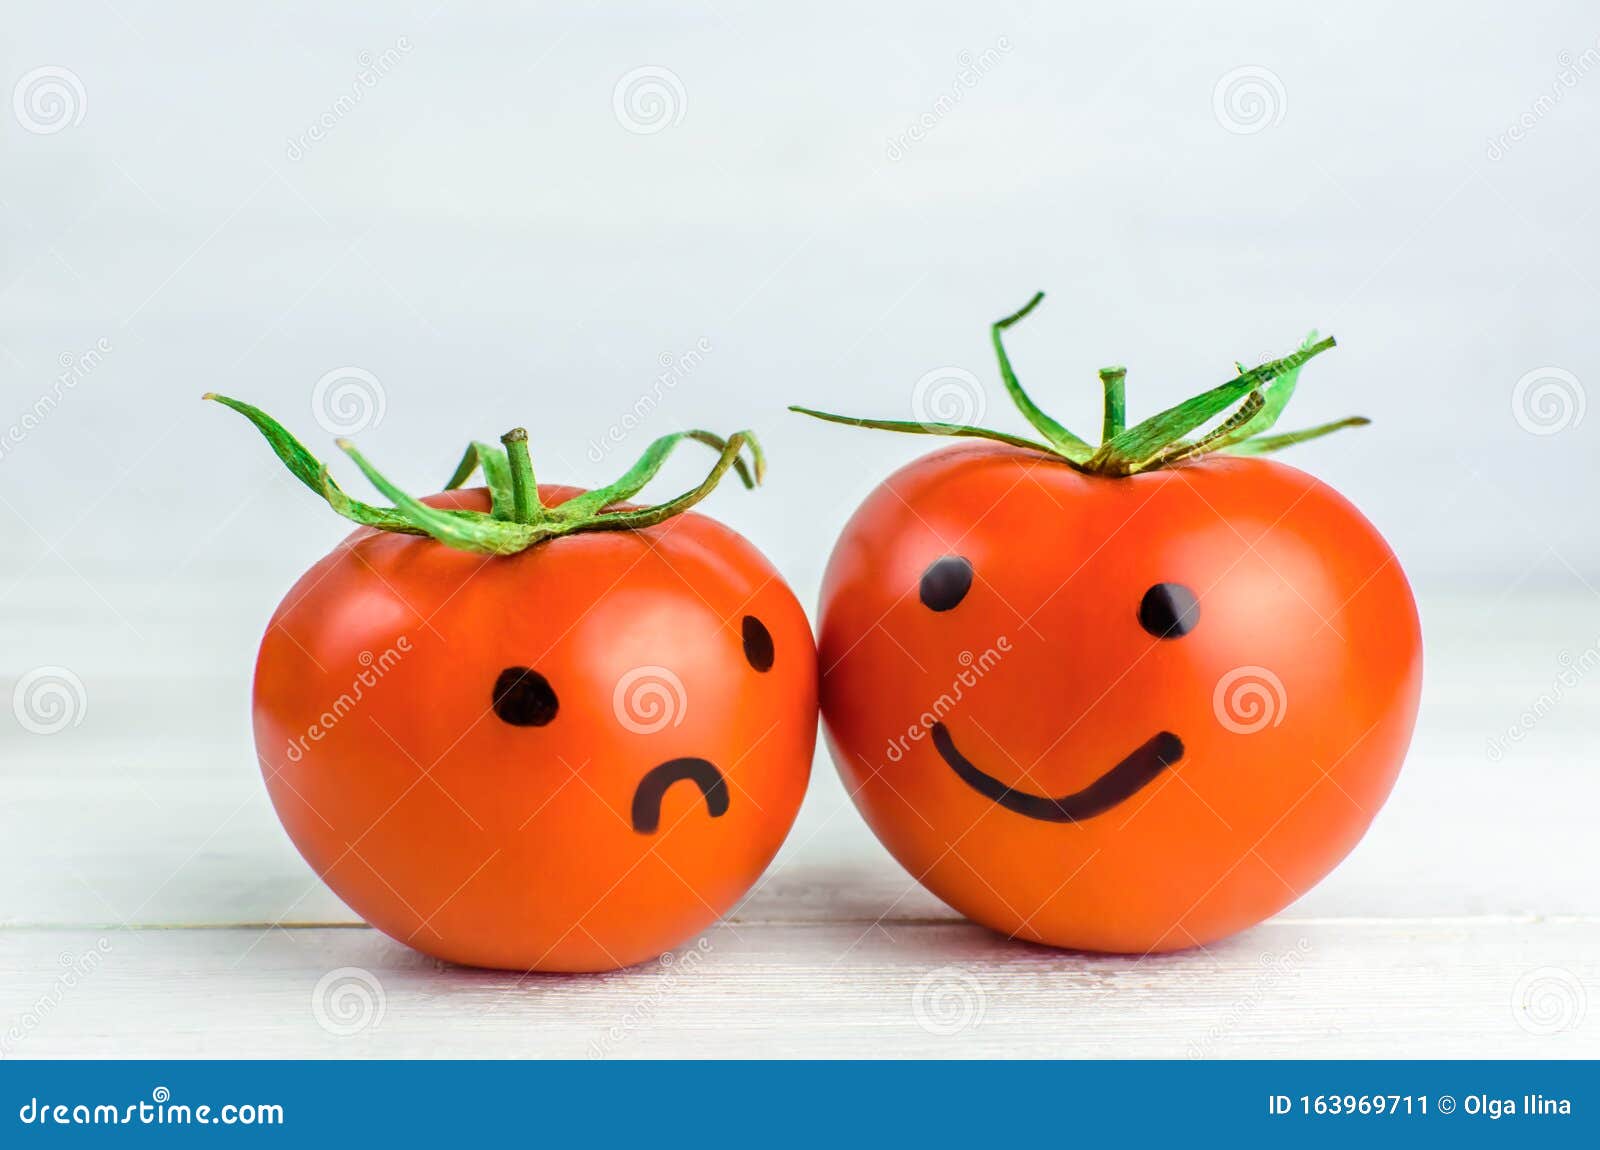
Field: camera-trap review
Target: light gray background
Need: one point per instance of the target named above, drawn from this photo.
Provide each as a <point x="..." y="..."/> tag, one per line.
<point x="483" y="235"/>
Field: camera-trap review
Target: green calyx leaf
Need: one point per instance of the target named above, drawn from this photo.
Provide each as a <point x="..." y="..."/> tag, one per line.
<point x="1063" y="441"/>
<point x="1248" y="406"/>
<point x="911" y="427"/>
<point x="517" y="519"/>
<point x="1262" y="444"/>
<point x="496" y="470"/>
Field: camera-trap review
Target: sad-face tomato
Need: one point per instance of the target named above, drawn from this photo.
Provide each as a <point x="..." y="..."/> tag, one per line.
<point x="571" y="756"/>
<point x="1128" y="699"/>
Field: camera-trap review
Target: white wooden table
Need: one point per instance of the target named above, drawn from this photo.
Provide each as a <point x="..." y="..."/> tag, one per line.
<point x="150" y="905"/>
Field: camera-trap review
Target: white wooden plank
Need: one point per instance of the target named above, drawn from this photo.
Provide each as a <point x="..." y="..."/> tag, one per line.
<point x="1296" y="988"/>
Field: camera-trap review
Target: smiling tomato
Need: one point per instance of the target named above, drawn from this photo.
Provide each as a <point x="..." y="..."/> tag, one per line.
<point x="1130" y="698"/>
<point x="544" y="731"/>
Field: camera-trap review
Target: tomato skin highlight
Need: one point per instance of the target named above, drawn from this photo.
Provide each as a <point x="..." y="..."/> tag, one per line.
<point x="491" y="843"/>
<point x="1293" y="688"/>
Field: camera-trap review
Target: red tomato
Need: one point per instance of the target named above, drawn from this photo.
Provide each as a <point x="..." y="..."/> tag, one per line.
<point x="569" y="758"/>
<point x="572" y="758"/>
<point x="1124" y="712"/>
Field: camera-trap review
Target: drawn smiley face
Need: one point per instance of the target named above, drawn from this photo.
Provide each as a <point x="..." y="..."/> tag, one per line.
<point x="1167" y="611"/>
<point x="1123" y="714"/>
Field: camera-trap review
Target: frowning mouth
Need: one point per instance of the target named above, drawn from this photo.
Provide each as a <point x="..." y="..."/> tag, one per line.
<point x="701" y="772"/>
<point x="1121" y="782"/>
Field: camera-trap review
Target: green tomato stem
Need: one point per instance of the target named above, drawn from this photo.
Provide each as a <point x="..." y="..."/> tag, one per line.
<point x="525" y="505"/>
<point x="1115" y="420"/>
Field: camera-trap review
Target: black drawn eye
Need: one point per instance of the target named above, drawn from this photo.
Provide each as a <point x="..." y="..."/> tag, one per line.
<point x="524" y="698"/>
<point x="757" y="643"/>
<point x="946" y="582"/>
<point x="1169" y="610"/>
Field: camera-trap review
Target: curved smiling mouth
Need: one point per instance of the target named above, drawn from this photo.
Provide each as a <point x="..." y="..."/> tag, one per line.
<point x="701" y="772"/>
<point x="1121" y="782"/>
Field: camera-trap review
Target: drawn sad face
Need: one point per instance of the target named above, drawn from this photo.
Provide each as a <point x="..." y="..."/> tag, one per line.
<point x="645" y="700"/>
<point x="1115" y="714"/>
